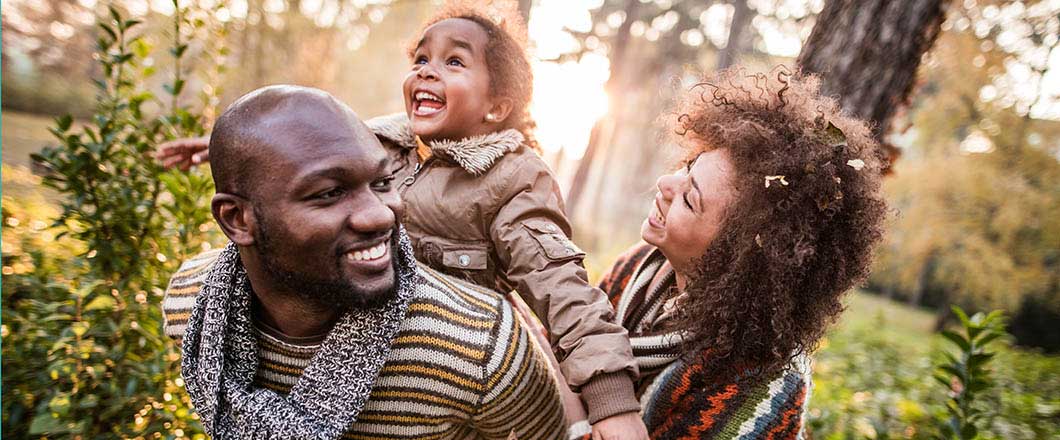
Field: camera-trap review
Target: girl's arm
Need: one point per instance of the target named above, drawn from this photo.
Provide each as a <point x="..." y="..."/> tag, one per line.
<point x="531" y="236"/>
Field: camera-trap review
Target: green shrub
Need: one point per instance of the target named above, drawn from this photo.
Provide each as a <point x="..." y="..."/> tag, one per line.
<point x="83" y="351"/>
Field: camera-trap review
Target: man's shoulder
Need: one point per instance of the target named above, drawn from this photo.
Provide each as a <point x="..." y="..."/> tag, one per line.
<point x="183" y="288"/>
<point x="457" y="295"/>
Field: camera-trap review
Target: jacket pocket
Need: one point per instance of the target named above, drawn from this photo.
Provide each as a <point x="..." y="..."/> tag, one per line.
<point x="555" y="245"/>
<point x="454" y="255"/>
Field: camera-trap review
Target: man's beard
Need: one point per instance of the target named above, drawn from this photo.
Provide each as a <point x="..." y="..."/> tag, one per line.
<point x="316" y="292"/>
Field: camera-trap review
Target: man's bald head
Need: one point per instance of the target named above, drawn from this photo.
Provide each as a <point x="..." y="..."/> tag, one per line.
<point x="269" y="121"/>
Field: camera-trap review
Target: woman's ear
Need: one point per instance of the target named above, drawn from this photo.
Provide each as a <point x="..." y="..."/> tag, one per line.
<point x="499" y="112"/>
<point x="235" y="215"/>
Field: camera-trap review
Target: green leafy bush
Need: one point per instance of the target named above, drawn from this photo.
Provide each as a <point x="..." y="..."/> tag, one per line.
<point x="873" y="379"/>
<point x="83" y="351"/>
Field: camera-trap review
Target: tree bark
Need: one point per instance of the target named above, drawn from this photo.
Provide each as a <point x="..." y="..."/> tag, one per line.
<point x="737" y="41"/>
<point x="867" y="53"/>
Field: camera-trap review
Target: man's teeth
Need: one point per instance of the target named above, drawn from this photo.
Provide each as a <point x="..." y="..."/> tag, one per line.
<point x="373" y="253"/>
<point x="424" y="96"/>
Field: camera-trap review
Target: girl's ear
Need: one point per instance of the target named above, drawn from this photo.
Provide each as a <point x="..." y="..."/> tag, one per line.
<point x="499" y="112"/>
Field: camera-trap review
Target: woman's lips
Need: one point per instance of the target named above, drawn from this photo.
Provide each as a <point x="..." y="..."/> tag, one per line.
<point x="655" y="217"/>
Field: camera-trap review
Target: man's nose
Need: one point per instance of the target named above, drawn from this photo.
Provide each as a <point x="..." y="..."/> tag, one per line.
<point x="369" y="214"/>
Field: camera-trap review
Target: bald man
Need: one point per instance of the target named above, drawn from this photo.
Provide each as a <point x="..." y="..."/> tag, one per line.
<point x="315" y="321"/>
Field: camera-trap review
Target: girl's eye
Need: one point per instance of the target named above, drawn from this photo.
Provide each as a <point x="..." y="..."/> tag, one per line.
<point x="331" y="194"/>
<point x="383" y="185"/>
<point x="420" y="60"/>
<point x="455" y="62"/>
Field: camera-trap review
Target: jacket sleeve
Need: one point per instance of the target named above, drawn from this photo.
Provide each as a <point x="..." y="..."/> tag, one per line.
<point x="531" y="237"/>
<point x="519" y="397"/>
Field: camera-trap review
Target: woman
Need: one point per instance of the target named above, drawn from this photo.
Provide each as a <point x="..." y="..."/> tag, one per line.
<point x="749" y="249"/>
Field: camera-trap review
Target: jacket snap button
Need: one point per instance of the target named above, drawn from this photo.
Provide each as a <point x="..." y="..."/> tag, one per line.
<point x="465" y="260"/>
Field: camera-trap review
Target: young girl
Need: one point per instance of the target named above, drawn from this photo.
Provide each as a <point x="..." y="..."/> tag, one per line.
<point x="482" y="205"/>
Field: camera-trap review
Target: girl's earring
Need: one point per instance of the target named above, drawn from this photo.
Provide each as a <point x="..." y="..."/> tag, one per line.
<point x="490" y="117"/>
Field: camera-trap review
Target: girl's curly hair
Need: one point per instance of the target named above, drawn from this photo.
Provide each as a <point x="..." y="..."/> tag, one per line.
<point x="802" y="228"/>
<point x="509" y="69"/>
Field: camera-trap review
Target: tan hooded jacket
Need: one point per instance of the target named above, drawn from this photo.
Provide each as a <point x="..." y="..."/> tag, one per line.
<point x="487" y="209"/>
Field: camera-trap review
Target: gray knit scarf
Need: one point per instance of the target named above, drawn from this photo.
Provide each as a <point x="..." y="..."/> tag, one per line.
<point x="220" y="359"/>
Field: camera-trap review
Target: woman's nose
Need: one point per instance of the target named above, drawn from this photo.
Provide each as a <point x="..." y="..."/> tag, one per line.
<point x="669" y="185"/>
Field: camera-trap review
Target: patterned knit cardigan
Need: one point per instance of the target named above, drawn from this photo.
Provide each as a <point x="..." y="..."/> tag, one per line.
<point x="681" y="399"/>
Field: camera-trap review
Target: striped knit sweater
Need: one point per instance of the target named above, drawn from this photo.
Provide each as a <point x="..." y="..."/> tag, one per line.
<point x="680" y="398"/>
<point x="462" y="366"/>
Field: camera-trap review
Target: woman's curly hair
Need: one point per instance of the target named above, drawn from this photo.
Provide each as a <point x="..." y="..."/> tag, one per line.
<point x="509" y="69"/>
<point x="802" y="228"/>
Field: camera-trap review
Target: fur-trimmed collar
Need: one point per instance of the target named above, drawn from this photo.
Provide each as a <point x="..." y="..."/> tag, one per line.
<point x="474" y="154"/>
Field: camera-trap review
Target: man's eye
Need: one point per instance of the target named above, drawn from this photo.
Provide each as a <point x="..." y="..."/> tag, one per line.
<point x="685" y="198"/>
<point x="455" y="62"/>
<point x="383" y="185"/>
<point x="331" y="194"/>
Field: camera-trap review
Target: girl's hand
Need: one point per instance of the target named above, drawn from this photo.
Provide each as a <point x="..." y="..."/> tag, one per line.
<point x="621" y="426"/>
<point x="184" y="153"/>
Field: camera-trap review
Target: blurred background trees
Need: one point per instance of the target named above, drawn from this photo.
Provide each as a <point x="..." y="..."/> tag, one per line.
<point x="966" y="90"/>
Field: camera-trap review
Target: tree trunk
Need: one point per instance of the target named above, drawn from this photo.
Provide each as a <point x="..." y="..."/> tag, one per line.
<point x="617" y="58"/>
<point x="867" y="53"/>
<point x="738" y="40"/>
<point x="524" y="9"/>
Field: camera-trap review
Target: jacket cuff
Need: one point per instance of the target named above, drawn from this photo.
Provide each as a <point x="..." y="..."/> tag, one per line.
<point x="609" y="394"/>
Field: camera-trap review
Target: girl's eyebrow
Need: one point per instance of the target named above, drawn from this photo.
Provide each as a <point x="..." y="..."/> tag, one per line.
<point x="461" y="43"/>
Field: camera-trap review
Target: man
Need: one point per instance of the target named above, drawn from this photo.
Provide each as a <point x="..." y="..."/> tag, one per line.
<point x="316" y="322"/>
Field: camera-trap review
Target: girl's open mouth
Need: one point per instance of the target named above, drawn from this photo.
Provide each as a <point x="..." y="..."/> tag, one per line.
<point x="426" y="103"/>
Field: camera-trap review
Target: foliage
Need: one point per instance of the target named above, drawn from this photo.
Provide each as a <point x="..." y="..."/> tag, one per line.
<point x="83" y="354"/>
<point x="966" y="376"/>
<point x="977" y="235"/>
<point x="873" y="378"/>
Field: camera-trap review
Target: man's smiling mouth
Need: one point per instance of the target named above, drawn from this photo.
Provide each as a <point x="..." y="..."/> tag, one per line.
<point x="371" y="254"/>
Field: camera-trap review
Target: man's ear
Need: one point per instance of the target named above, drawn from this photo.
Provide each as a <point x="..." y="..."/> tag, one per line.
<point x="499" y="112"/>
<point x="236" y="217"/>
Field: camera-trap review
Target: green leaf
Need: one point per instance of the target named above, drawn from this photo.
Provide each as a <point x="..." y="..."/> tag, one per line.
<point x="115" y="15"/>
<point x="961" y="316"/>
<point x="179" y="50"/>
<point x="988" y="338"/>
<point x="101" y="302"/>
<point x="979" y="359"/>
<point x="110" y="32"/>
<point x="46" y="424"/>
<point x="957" y="339"/>
<point x="64" y="122"/>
